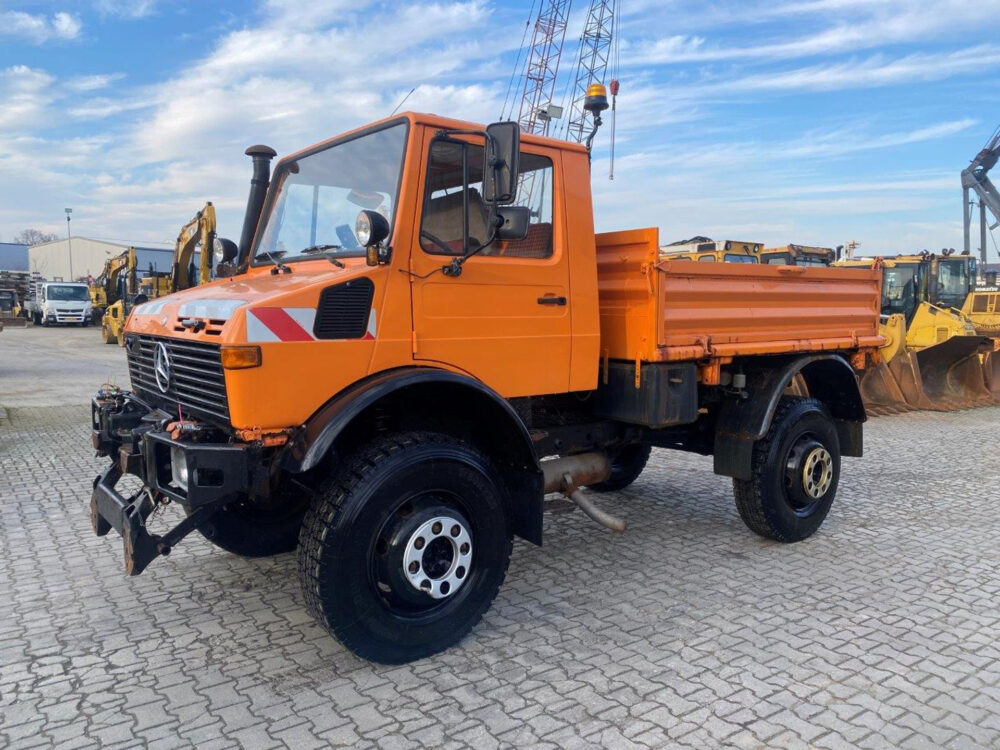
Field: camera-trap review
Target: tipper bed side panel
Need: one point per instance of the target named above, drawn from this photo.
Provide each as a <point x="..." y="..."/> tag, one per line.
<point x="729" y="309"/>
<point x="656" y="310"/>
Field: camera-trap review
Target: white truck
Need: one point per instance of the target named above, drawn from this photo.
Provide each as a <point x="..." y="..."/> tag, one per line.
<point x="60" y="302"/>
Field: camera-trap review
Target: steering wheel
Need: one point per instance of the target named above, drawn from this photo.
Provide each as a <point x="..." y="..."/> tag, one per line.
<point x="424" y="234"/>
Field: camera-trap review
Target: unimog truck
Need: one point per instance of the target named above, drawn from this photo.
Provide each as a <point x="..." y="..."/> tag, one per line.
<point x="423" y="337"/>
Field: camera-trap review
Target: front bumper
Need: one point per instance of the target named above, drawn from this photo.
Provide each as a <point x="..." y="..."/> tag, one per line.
<point x="67" y="316"/>
<point x="136" y="439"/>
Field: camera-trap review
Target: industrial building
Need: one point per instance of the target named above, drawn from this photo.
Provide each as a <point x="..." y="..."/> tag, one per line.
<point x="52" y="260"/>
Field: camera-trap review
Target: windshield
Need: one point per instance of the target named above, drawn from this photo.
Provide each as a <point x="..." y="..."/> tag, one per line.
<point x="777" y="260"/>
<point x="952" y="285"/>
<point x="68" y="293"/>
<point x="320" y="195"/>
<point x="900" y="288"/>
<point x="738" y="258"/>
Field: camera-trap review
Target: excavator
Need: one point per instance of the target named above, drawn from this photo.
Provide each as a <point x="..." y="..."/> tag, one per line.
<point x="123" y="289"/>
<point x="934" y="357"/>
<point x="983" y="304"/>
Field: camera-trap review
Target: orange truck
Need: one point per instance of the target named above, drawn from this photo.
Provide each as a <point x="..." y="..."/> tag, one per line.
<point x="422" y="338"/>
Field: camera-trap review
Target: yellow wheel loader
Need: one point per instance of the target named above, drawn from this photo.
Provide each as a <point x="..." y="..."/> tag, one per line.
<point x="934" y="357"/>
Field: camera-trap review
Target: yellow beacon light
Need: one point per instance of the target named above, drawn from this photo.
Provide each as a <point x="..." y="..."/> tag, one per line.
<point x="596" y="100"/>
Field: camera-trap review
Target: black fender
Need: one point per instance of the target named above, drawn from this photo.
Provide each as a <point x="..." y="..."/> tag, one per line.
<point x="741" y="422"/>
<point x="449" y="399"/>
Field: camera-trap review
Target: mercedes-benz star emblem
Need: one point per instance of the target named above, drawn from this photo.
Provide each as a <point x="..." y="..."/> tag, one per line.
<point x="161" y="368"/>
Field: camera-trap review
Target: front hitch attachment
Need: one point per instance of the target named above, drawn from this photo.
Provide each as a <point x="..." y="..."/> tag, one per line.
<point x="109" y="509"/>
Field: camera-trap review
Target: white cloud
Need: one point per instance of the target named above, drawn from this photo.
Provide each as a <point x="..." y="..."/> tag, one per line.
<point x="871" y="72"/>
<point x="89" y="83"/>
<point x="39" y="28"/>
<point x="126" y="8"/>
<point x="24" y="94"/>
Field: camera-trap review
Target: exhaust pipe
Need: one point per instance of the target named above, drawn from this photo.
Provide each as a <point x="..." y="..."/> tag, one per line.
<point x="566" y="474"/>
<point x="261" y="156"/>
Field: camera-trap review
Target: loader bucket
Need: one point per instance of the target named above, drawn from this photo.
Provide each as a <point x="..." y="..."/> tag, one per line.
<point x="953" y="375"/>
<point x="10" y="321"/>
<point x="881" y="392"/>
<point x="991" y="373"/>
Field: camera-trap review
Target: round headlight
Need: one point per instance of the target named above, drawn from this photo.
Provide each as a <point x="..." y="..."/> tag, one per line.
<point x="363" y="228"/>
<point x="371" y="228"/>
<point x="217" y="252"/>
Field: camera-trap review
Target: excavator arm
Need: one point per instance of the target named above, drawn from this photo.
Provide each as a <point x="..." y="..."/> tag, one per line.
<point x="976" y="177"/>
<point x="200" y="231"/>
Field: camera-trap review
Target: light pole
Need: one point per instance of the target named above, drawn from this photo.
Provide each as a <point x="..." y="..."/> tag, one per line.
<point x="69" y="238"/>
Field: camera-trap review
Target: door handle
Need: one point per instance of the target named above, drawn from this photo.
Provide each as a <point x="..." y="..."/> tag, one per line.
<point x="552" y="301"/>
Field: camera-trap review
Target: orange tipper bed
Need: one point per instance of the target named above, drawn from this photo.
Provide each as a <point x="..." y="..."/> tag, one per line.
<point x="656" y="310"/>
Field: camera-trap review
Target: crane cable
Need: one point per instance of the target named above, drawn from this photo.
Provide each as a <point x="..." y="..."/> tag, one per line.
<point x="615" y="85"/>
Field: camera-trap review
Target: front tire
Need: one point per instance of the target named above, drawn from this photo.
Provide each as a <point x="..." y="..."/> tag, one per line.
<point x="250" y="530"/>
<point x="796" y="469"/>
<point x="406" y="547"/>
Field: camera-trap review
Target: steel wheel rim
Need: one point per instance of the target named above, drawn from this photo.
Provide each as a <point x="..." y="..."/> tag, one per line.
<point x="809" y="474"/>
<point x="395" y="548"/>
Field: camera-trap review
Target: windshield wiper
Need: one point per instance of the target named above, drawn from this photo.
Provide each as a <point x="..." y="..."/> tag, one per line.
<point x="316" y="249"/>
<point x="275" y="257"/>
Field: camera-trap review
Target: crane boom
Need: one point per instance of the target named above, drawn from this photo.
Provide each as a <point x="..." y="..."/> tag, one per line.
<point x="543" y="64"/>
<point x="976" y="177"/>
<point x="592" y="64"/>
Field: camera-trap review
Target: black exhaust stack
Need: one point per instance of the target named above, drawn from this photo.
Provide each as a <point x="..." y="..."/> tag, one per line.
<point x="262" y="156"/>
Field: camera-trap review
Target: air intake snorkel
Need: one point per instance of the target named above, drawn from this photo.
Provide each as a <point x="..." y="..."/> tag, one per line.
<point x="262" y="156"/>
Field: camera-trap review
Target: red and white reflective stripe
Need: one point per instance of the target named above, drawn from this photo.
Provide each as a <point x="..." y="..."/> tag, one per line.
<point x="280" y="324"/>
<point x="265" y="324"/>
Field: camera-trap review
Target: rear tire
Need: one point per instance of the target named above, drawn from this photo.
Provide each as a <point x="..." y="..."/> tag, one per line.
<point x="626" y="466"/>
<point x="406" y="547"/>
<point x="796" y="468"/>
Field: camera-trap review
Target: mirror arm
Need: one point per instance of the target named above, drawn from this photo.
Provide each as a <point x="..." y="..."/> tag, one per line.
<point x="454" y="268"/>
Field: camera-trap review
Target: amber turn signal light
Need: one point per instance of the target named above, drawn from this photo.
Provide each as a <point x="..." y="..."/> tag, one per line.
<point x="240" y="357"/>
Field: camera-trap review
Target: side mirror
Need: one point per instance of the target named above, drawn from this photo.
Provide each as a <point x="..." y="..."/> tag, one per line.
<point x="500" y="168"/>
<point x="512" y="223"/>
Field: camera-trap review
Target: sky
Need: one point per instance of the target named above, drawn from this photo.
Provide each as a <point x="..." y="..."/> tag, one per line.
<point x="776" y="121"/>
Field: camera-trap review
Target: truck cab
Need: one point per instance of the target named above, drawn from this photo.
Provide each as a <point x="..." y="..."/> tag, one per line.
<point x="423" y="337"/>
<point x="61" y="303"/>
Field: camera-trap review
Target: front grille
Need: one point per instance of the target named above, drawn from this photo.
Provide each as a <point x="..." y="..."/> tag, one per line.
<point x="197" y="380"/>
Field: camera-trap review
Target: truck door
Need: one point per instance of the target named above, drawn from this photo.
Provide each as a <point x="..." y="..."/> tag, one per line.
<point x="506" y="318"/>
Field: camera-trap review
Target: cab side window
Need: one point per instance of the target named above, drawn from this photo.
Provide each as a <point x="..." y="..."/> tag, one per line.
<point x="456" y="219"/>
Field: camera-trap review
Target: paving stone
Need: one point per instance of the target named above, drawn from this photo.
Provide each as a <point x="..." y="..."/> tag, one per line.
<point x="689" y="631"/>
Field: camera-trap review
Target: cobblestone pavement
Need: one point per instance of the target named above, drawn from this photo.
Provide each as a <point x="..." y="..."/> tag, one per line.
<point x="881" y="631"/>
